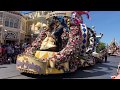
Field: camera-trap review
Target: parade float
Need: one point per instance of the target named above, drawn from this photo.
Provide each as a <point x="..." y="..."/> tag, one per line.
<point x="101" y="54"/>
<point x="64" y="45"/>
<point x="114" y="48"/>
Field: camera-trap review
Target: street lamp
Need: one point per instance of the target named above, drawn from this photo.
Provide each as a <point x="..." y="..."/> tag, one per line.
<point x="31" y="37"/>
<point x="5" y="35"/>
<point x="5" y="30"/>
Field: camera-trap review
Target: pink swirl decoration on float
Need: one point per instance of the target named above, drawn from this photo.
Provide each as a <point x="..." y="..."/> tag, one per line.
<point x="76" y="15"/>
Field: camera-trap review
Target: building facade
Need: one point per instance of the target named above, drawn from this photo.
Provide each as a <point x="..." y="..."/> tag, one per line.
<point x="33" y="23"/>
<point x="12" y="27"/>
<point x="19" y="28"/>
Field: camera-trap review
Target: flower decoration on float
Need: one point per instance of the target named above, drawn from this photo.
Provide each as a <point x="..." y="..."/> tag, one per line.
<point x="76" y="17"/>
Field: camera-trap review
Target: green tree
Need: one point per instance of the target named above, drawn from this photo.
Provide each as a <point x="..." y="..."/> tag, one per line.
<point x="100" y="46"/>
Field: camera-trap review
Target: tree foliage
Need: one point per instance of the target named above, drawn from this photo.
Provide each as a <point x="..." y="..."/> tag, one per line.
<point x="100" y="46"/>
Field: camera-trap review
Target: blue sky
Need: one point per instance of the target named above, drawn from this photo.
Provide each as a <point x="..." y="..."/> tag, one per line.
<point x="25" y="11"/>
<point x="106" y="22"/>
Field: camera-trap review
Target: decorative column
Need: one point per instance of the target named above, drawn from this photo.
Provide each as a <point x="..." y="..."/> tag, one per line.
<point x="4" y="32"/>
<point x="19" y="34"/>
<point x="0" y="35"/>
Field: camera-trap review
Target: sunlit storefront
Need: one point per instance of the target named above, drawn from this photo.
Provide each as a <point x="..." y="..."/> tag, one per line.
<point x="12" y="27"/>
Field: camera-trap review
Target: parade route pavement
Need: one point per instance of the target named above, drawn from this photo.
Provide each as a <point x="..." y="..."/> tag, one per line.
<point x="99" y="71"/>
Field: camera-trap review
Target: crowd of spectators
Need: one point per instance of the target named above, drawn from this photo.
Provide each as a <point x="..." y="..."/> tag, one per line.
<point x="9" y="52"/>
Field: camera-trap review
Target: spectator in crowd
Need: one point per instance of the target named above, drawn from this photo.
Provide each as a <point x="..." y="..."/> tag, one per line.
<point x="10" y="53"/>
<point x="1" y="49"/>
<point x="1" y="54"/>
<point x="17" y="51"/>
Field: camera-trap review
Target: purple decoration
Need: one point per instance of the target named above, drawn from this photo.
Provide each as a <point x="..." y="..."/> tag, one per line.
<point x="83" y="25"/>
<point x="84" y="35"/>
<point x="84" y="41"/>
<point x="83" y="47"/>
<point x="84" y="29"/>
<point x="82" y="51"/>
